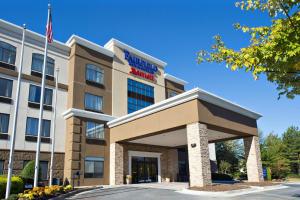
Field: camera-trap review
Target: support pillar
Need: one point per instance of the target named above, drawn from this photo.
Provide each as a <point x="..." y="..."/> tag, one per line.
<point x="198" y="154"/>
<point x="253" y="159"/>
<point x="116" y="165"/>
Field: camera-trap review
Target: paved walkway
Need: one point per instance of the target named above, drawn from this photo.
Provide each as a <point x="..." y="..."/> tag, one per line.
<point x="142" y="192"/>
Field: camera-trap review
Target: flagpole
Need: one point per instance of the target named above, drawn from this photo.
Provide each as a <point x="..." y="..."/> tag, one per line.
<point x="13" y="136"/>
<point x="53" y="129"/>
<point x="38" y="144"/>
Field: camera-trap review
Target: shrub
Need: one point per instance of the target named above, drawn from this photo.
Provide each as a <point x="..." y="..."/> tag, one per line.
<point x="221" y="177"/>
<point x="44" y="192"/>
<point x="28" y="171"/>
<point x="17" y="185"/>
<point x="269" y="174"/>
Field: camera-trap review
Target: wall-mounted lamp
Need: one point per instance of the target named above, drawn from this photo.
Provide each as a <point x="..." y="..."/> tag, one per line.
<point x="193" y="145"/>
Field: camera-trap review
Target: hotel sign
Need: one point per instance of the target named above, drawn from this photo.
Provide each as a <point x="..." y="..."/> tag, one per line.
<point x="140" y="67"/>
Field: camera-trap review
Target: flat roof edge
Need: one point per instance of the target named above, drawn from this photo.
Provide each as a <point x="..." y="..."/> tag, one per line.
<point x="135" y="51"/>
<point x="87" y="114"/>
<point x="175" y="79"/>
<point x="91" y="45"/>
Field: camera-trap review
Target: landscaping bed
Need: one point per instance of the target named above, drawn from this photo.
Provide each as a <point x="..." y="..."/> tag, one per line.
<point x="220" y="187"/>
<point x="233" y="186"/>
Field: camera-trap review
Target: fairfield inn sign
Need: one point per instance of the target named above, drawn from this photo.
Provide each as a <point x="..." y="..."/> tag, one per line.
<point x="140" y="67"/>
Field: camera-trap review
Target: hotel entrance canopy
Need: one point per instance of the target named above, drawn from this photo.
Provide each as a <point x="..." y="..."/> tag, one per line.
<point x="224" y="119"/>
<point x="193" y="119"/>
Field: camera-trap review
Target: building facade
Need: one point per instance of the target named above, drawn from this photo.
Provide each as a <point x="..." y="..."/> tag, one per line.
<point x="118" y="114"/>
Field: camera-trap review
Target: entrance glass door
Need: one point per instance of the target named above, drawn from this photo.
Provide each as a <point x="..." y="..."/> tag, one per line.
<point x="144" y="169"/>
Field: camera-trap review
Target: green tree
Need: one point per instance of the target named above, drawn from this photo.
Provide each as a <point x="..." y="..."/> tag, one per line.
<point x="231" y="151"/>
<point x="272" y="155"/>
<point x="291" y="139"/>
<point x="224" y="167"/>
<point x="27" y="172"/>
<point x="273" y="50"/>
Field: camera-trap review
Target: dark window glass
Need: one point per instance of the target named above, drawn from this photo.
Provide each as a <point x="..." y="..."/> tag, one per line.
<point x="35" y="95"/>
<point x="93" y="102"/>
<point x="94" y="73"/>
<point x="44" y="170"/>
<point x="7" y="53"/>
<point x="1" y="167"/>
<point x="37" y="64"/>
<point x="94" y="130"/>
<point x="32" y="127"/>
<point x="140" y="95"/>
<point x="93" y="167"/>
<point x="5" y="87"/>
<point x="4" y="121"/>
<point x="172" y="94"/>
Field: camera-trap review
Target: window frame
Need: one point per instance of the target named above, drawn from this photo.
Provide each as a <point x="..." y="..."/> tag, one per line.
<point x="43" y="128"/>
<point x="93" y="109"/>
<point x="49" y="60"/>
<point x="46" y="88"/>
<point x="8" y="117"/>
<point x="101" y="72"/>
<point x="11" y="89"/>
<point x="94" y="160"/>
<point x="10" y="51"/>
<point x="95" y="134"/>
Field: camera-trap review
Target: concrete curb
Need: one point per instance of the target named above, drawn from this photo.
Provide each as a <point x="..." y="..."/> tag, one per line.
<point x="233" y="193"/>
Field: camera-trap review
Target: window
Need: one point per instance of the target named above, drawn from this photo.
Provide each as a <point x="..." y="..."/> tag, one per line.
<point x="94" y="130"/>
<point x="44" y="170"/>
<point x="7" y="53"/>
<point x="37" y="64"/>
<point x="93" y="167"/>
<point x="1" y="167"/>
<point x="93" y="102"/>
<point x="5" y="87"/>
<point x="35" y="95"/>
<point x="172" y="94"/>
<point x="32" y="127"/>
<point x="140" y="95"/>
<point x="4" y="121"/>
<point x="94" y="74"/>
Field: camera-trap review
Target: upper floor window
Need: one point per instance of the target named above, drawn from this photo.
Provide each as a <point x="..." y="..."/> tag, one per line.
<point x="5" y="87"/>
<point x="140" y="95"/>
<point x="94" y="130"/>
<point x="37" y="64"/>
<point x="7" y="53"/>
<point x="172" y="94"/>
<point x="32" y="127"/>
<point x="93" y="102"/>
<point x="4" y="121"/>
<point x="35" y="95"/>
<point x="94" y="74"/>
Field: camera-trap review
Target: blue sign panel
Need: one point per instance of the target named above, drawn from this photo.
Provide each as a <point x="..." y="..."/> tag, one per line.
<point x="265" y="172"/>
<point x="139" y="63"/>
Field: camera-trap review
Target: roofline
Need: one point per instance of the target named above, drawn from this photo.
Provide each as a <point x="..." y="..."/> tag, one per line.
<point x="175" y="79"/>
<point x="91" y="45"/>
<point x="137" y="52"/>
<point x="87" y="114"/>
<point x="195" y="93"/>
<point x="33" y="35"/>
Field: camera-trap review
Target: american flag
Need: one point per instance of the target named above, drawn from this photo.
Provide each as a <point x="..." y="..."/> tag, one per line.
<point x="49" y="32"/>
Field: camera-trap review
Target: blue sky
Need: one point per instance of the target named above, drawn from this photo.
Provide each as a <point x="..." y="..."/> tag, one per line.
<point x="173" y="32"/>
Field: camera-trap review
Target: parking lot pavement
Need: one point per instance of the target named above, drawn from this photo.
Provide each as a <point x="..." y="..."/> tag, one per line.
<point x="144" y="193"/>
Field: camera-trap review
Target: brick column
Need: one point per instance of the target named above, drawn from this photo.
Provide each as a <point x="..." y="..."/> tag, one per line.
<point x="252" y="156"/>
<point x="198" y="153"/>
<point x="116" y="164"/>
<point x="172" y="164"/>
<point x="73" y="149"/>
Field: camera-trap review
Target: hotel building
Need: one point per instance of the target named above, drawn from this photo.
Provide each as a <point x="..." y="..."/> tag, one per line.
<point x="118" y="113"/>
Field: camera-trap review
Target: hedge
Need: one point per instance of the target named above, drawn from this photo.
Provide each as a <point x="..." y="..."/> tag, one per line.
<point x="17" y="185"/>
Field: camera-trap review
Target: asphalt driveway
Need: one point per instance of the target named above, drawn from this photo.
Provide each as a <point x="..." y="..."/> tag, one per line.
<point x="145" y="193"/>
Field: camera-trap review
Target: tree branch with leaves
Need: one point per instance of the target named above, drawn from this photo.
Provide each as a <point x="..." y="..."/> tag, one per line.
<point x="273" y="50"/>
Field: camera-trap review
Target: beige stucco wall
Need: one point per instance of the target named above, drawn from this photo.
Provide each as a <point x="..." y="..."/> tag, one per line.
<point x="120" y="75"/>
